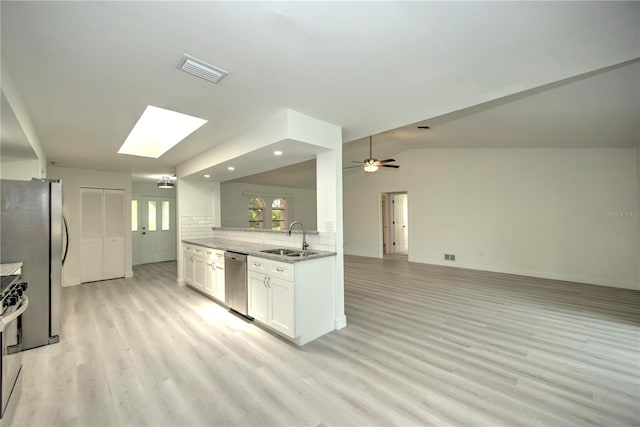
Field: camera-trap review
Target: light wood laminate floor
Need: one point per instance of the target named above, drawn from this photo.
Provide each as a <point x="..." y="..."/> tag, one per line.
<point x="424" y="345"/>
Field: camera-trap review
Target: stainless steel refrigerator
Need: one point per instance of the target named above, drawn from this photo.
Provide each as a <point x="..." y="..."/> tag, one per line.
<point x="31" y="227"/>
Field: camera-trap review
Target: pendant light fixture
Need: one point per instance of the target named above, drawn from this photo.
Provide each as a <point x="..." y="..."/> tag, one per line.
<point x="165" y="183"/>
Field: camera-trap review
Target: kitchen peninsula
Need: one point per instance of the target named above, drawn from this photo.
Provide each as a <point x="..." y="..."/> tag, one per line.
<point x="290" y="291"/>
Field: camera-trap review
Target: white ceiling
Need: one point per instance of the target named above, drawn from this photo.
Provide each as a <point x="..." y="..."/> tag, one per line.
<point x="598" y="109"/>
<point x="87" y="70"/>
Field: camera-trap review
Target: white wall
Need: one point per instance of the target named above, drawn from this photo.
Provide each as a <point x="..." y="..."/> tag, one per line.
<point x="235" y="197"/>
<point x="19" y="169"/>
<point x="541" y="212"/>
<point x="72" y="180"/>
<point x="151" y="189"/>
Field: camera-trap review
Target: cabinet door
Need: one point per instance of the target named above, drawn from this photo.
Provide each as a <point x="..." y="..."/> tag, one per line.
<point x="210" y="283"/>
<point x="258" y="297"/>
<point x="219" y="273"/>
<point x="200" y="271"/>
<point x="281" y="305"/>
<point x="189" y="267"/>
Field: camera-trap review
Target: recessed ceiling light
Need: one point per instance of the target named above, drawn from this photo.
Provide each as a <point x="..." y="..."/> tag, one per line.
<point x="157" y="131"/>
<point x="424" y="127"/>
<point x="207" y="176"/>
<point x="278" y="153"/>
<point x="231" y="168"/>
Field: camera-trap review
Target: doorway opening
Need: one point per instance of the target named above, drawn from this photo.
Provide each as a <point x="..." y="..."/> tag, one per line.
<point x="395" y="225"/>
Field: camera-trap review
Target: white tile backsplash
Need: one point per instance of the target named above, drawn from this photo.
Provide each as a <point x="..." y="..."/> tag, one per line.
<point x="196" y="227"/>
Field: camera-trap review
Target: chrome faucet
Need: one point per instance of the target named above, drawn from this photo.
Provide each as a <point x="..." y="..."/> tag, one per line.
<point x="305" y="245"/>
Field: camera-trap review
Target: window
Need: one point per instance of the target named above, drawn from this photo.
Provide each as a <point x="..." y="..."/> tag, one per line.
<point x="152" y="215"/>
<point x="134" y="215"/>
<point x="256" y="213"/>
<point x="165" y="215"/>
<point x="278" y="216"/>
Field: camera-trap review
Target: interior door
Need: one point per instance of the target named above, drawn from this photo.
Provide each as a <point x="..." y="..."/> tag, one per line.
<point x="400" y="223"/>
<point x="113" y="261"/>
<point x="91" y="234"/>
<point x="102" y="234"/>
<point x="157" y="229"/>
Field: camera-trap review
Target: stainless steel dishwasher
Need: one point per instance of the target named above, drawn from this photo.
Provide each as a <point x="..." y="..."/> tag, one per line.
<point x="235" y="282"/>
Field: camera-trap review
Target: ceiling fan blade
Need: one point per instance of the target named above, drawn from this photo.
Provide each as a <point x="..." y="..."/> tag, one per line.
<point x="387" y="160"/>
<point x="390" y="166"/>
<point x="353" y="161"/>
<point x="351" y="167"/>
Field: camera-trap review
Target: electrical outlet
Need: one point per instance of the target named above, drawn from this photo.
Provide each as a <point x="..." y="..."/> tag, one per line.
<point x="446" y="257"/>
<point x="452" y="257"/>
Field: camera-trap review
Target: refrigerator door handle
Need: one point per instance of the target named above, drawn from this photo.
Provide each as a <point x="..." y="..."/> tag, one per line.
<point x="66" y="240"/>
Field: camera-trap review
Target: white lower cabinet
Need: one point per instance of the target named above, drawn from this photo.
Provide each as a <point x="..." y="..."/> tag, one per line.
<point x="188" y="264"/>
<point x="200" y="272"/>
<point x="282" y="306"/>
<point x="258" y="293"/>
<point x="204" y="269"/>
<point x="219" y="274"/>
<point x="271" y="302"/>
<point x="210" y="285"/>
<point x="295" y="300"/>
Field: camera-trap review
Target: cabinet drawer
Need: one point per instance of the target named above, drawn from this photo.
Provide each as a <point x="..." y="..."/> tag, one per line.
<point x="281" y="270"/>
<point x="257" y="264"/>
<point x="218" y="256"/>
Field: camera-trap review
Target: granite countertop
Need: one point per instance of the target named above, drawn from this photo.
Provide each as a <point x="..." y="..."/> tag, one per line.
<point x="10" y="269"/>
<point x="254" y="249"/>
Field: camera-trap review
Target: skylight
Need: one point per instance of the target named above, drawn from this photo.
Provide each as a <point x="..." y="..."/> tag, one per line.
<point x="157" y="131"/>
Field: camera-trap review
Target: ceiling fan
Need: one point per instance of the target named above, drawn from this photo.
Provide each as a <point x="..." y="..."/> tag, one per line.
<point x="372" y="164"/>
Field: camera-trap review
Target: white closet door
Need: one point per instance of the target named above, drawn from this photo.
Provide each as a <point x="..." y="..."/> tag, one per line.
<point x="102" y="218"/>
<point x="113" y="255"/>
<point x="92" y="234"/>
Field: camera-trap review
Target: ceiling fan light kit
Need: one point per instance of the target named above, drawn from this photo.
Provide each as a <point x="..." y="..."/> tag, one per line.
<point x="372" y="164"/>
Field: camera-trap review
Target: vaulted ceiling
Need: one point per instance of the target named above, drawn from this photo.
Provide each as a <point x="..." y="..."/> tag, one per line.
<point x="86" y="70"/>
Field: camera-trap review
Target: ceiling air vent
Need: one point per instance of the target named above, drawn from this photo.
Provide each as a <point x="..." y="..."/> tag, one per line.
<point x="201" y="69"/>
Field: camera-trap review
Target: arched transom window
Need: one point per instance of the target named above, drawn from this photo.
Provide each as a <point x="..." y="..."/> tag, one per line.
<point x="256" y="213"/>
<point x="278" y="214"/>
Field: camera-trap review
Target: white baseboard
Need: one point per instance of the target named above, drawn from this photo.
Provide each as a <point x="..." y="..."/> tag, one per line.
<point x="612" y="283"/>
<point x="71" y="282"/>
<point x="340" y="322"/>
<point x="128" y="274"/>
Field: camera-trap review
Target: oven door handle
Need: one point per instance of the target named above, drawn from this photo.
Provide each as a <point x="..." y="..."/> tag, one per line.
<point x="13" y="316"/>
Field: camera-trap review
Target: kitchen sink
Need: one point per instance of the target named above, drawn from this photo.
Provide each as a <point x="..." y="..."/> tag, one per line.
<point x="281" y="251"/>
<point x="288" y="252"/>
<point x="302" y="253"/>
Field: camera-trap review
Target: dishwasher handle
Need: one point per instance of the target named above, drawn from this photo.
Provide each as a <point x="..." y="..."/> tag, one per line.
<point x="236" y="256"/>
